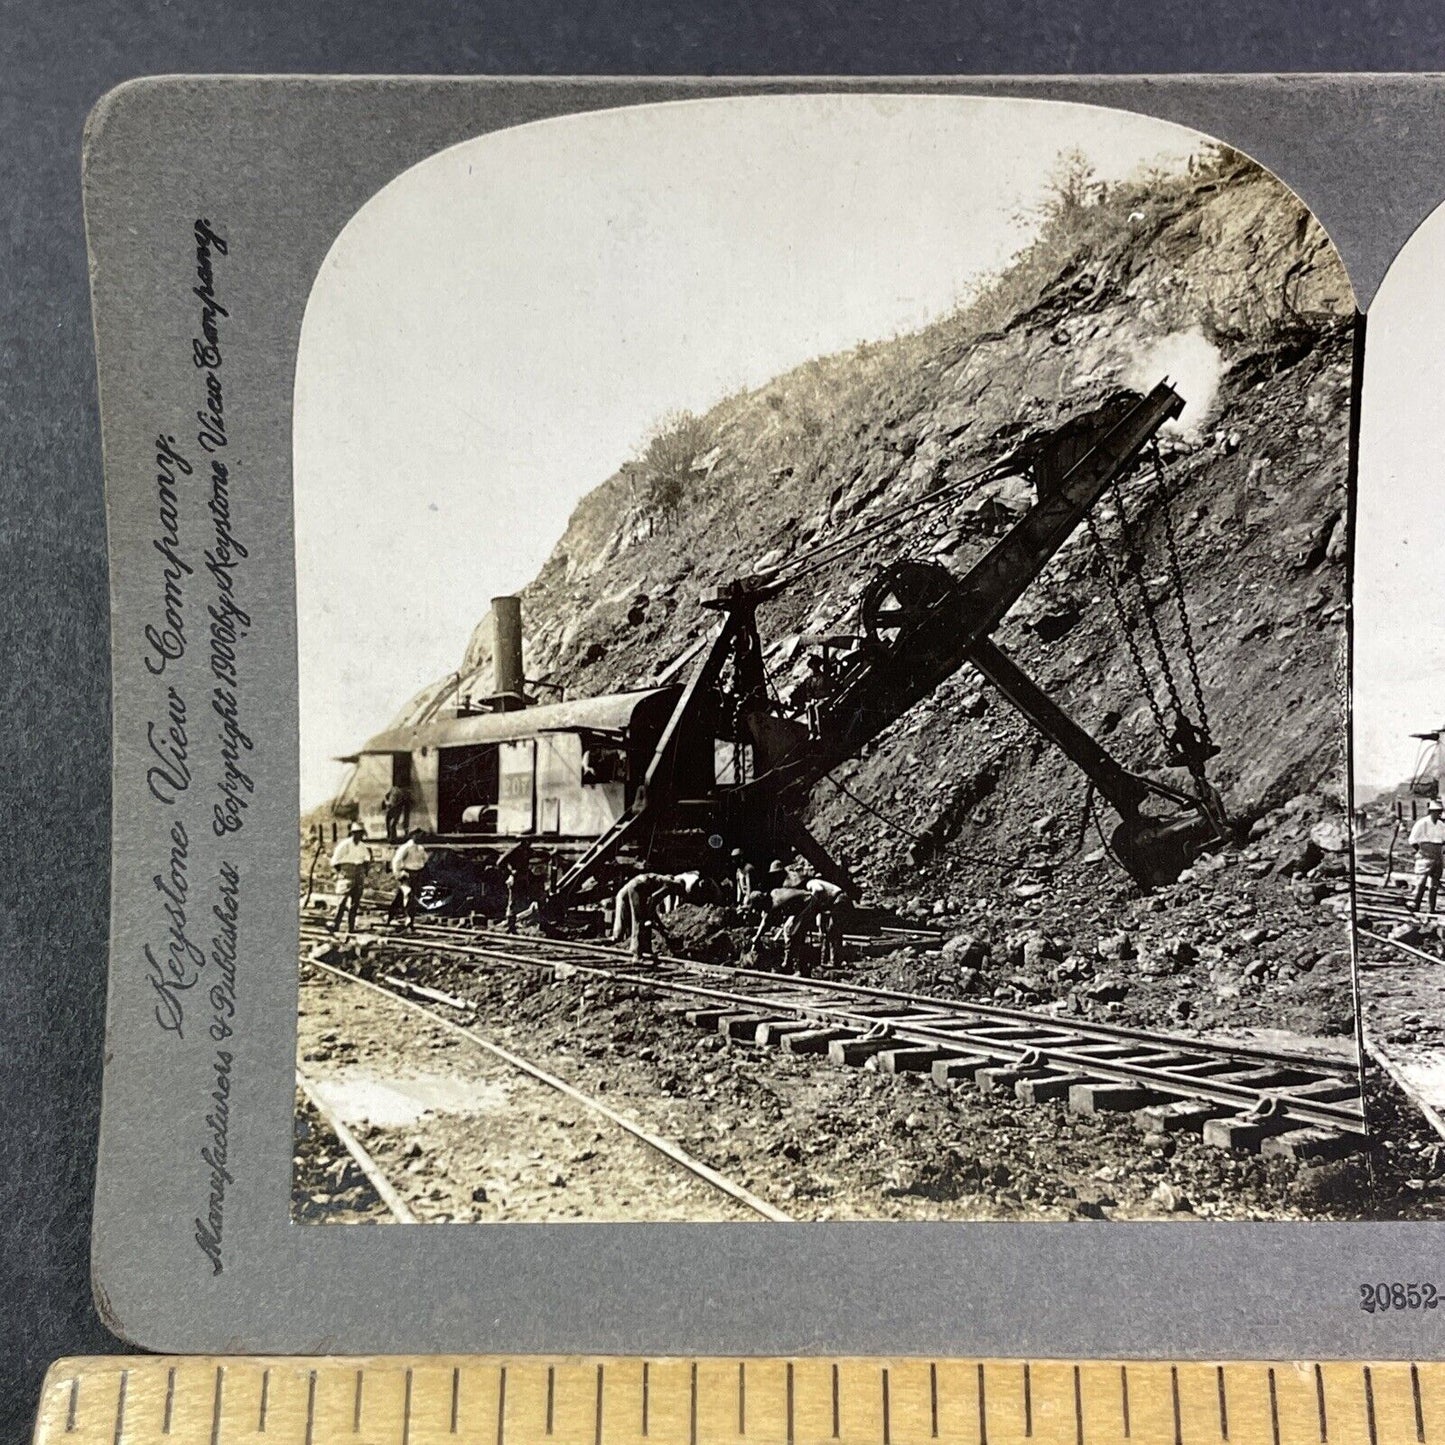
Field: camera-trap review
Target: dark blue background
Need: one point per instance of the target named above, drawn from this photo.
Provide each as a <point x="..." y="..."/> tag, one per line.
<point x="57" y="59"/>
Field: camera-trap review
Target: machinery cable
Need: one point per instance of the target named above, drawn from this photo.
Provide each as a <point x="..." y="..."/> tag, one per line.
<point x="996" y="861"/>
<point x="876" y="528"/>
<point x="1126" y="626"/>
<point x="1176" y="581"/>
<point x="1133" y="568"/>
<point x="1091" y="805"/>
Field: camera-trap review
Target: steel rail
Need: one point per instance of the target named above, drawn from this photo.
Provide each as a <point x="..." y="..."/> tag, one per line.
<point x="959" y="1041"/>
<point x="1404" y="947"/>
<point x="1089" y="1028"/>
<point x="373" y="1172"/>
<point x="665" y="1147"/>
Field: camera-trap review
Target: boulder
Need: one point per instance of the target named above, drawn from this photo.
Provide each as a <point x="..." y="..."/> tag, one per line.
<point x="1338" y="546"/>
<point x="1031" y="949"/>
<point x="1169" y="1197"/>
<point x="1331" y="835"/>
<point x="1296" y="858"/>
<point x="967" y="950"/>
<point x="1173" y="953"/>
<point x="1116" y="946"/>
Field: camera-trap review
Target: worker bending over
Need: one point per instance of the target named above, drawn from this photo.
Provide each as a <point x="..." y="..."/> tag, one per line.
<point x="639" y="902"/>
<point x="834" y="907"/>
<point x="795" y="909"/>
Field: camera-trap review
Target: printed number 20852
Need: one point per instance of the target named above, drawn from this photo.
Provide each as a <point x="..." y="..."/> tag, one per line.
<point x="1376" y="1297"/>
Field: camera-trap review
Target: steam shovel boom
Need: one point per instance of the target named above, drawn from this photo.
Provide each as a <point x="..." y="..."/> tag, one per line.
<point x="921" y="623"/>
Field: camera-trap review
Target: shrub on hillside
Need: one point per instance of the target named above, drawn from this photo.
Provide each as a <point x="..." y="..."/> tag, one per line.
<point x="666" y="464"/>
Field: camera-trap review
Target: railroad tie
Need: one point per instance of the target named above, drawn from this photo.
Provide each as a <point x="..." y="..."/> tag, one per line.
<point x="1314" y="1143"/>
<point x="1246" y="1131"/>
<point x="1112" y="1098"/>
<point x="1003" y="1078"/>
<point x="1327" y="1091"/>
<point x="708" y="1018"/>
<point x="914" y="1059"/>
<point x="775" y="1031"/>
<point x="1042" y="1088"/>
<point x="957" y="1070"/>
<point x="815" y="1040"/>
<point x="1180" y="1115"/>
<point x="857" y="1051"/>
<point x="743" y="1028"/>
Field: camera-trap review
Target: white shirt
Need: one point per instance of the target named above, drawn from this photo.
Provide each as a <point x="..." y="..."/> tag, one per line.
<point x="409" y="858"/>
<point x="349" y="853"/>
<point x="1429" y="830"/>
<point x="829" y="892"/>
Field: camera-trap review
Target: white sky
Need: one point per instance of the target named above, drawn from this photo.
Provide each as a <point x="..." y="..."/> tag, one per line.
<point x="1399" y="674"/>
<point x="497" y="330"/>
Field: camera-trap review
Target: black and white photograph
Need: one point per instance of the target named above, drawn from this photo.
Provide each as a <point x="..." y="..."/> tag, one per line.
<point x="824" y="682"/>
<point x="1399" y="691"/>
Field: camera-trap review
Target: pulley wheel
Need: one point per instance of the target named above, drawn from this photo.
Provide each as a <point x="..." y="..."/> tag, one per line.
<point x="900" y="597"/>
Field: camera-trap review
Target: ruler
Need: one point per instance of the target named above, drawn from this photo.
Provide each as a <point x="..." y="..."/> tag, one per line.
<point x="533" y="1400"/>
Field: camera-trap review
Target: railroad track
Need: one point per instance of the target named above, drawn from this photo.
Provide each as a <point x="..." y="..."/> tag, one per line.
<point x="393" y="1197"/>
<point x="1237" y="1096"/>
<point x="1380" y="909"/>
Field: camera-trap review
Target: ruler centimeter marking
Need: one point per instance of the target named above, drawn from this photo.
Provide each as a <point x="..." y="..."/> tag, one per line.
<point x="519" y="1400"/>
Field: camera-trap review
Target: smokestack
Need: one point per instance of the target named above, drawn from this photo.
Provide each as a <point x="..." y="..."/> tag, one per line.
<point x="507" y="653"/>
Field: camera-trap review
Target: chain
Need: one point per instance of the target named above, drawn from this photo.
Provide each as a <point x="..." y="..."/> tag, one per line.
<point x="1133" y="569"/>
<point x="1176" y="580"/>
<point x="1126" y="628"/>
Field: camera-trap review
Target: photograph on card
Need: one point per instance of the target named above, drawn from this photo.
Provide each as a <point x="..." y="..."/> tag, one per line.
<point x="822" y="655"/>
<point x="1398" y="707"/>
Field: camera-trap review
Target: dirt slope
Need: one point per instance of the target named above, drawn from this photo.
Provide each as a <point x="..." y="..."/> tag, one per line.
<point x="1219" y="279"/>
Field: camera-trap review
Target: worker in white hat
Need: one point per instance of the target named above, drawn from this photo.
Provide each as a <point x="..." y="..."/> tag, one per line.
<point x="1427" y="838"/>
<point x="349" y="860"/>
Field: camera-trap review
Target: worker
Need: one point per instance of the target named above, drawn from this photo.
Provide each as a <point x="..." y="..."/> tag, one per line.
<point x="349" y="860"/>
<point x="745" y="879"/>
<point x="795" y="909"/>
<point x="1427" y="838"/>
<point x="692" y="887"/>
<point x="815" y="689"/>
<point x="636" y="908"/>
<point x="834" y="906"/>
<point x="407" y="865"/>
<point x="512" y="878"/>
<point x="396" y="809"/>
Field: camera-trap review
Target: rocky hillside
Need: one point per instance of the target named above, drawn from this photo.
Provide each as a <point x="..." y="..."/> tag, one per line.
<point x="1218" y="278"/>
